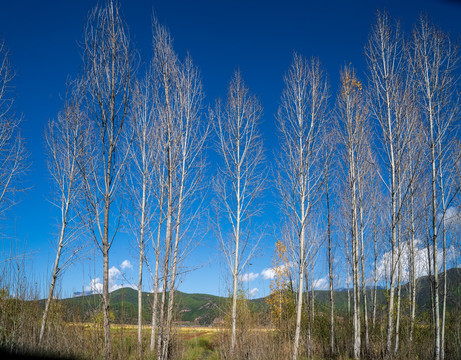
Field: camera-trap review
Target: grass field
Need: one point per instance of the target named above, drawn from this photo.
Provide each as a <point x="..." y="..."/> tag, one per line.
<point x="190" y="343"/>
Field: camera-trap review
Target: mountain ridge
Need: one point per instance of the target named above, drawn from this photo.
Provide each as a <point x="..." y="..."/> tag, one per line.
<point x="207" y="309"/>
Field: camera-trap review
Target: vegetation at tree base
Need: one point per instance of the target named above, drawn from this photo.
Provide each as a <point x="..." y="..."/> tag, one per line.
<point x="372" y="183"/>
<point x="79" y="320"/>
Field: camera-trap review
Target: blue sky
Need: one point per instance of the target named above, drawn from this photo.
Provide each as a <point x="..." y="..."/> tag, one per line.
<point x="258" y="37"/>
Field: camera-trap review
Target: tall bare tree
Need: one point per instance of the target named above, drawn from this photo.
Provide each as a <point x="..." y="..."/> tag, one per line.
<point x="181" y="137"/>
<point x="240" y="179"/>
<point x="144" y="155"/>
<point x="434" y="60"/>
<point x="301" y="119"/>
<point x="13" y="155"/>
<point x="159" y="189"/>
<point x="352" y="115"/>
<point x="377" y="215"/>
<point x="108" y="66"/>
<point x="328" y="181"/>
<point x="65" y="138"/>
<point x="166" y="69"/>
<point x="192" y="132"/>
<point x="365" y="182"/>
<point x="390" y="98"/>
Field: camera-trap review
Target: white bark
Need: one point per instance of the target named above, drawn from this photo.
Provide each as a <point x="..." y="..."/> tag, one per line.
<point x="354" y="136"/>
<point x="145" y="153"/>
<point x="433" y="62"/>
<point x="183" y="135"/>
<point x="108" y="69"/>
<point x="13" y="156"/>
<point x="240" y="180"/>
<point x="192" y="134"/>
<point x="301" y="117"/>
<point x="390" y="93"/>
<point x="64" y="139"/>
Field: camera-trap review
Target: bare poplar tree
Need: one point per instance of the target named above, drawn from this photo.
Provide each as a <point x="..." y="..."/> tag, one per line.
<point x="65" y="138"/>
<point x="352" y="115"/>
<point x="434" y="59"/>
<point x="301" y="118"/>
<point x="377" y="215"/>
<point x="328" y="180"/>
<point x="108" y="65"/>
<point x="166" y="70"/>
<point x="180" y="142"/>
<point x="192" y="134"/>
<point x="390" y="98"/>
<point x="159" y="189"/>
<point x="240" y="179"/>
<point x="160" y="194"/>
<point x="140" y="177"/>
<point x="13" y="155"/>
<point x="364" y="188"/>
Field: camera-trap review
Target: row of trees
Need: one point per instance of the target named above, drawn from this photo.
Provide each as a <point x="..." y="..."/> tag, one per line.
<point x="393" y="151"/>
<point x="120" y="136"/>
<point x="383" y="159"/>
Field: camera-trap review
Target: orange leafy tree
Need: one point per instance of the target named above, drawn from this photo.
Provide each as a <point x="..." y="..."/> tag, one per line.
<point x="280" y="301"/>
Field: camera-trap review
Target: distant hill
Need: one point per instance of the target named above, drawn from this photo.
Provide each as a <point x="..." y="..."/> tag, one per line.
<point x="423" y="290"/>
<point x="203" y="309"/>
<point x="190" y="308"/>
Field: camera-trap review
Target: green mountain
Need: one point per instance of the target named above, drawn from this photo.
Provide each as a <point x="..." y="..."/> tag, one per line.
<point x="190" y="308"/>
<point x="203" y="309"/>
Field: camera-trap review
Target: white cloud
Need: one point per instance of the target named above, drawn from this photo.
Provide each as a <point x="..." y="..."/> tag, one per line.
<point x="253" y="292"/>
<point x="321" y="284"/>
<point x="421" y="261"/>
<point x="94" y="286"/>
<point x="248" y="276"/>
<point x="452" y="216"/>
<point x="126" y="265"/>
<point x="268" y="274"/>
<point x="114" y="274"/>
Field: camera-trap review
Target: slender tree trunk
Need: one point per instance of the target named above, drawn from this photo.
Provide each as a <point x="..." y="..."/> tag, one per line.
<point x="330" y="272"/>
<point x="156" y="283"/>
<point x="55" y="274"/>
<point x="436" y="304"/>
<point x="105" y="287"/>
<point x="375" y="270"/>
<point x="171" y="293"/>
<point x="348" y="291"/>
<point x="444" y="238"/>
<point x="412" y="264"/>
<point x="355" y="255"/>
<point x="175" y="263"/>
<point x="399" y="292"/>
<point x="299" y="303"/>
<point x="431" y="280"/>
<point x="364" y="287"/>
<point x="399" y="274"/>
<point x="308" y="306"/>
<point x="312" y="291"/>
<point x="141" y="262"/>
<point x="166" y="264"/>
